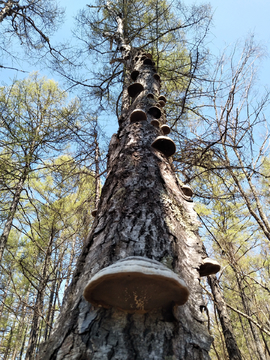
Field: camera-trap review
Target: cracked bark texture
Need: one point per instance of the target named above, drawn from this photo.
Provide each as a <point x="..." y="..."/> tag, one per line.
<point x="142" y="212"/>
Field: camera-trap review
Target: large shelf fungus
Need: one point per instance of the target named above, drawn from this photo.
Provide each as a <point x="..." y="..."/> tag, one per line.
<point x="165" y="145"/>
<point x="136" y="285"/>
<point x="209" y="267"/>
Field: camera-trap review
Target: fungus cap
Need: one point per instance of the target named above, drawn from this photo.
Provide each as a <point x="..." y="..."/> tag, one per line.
<point x="134" y="74"/>
<point x="156" y="76"/>
<point x="187" y="190"/>
<point x="165" y="145"/>
<point x="162" y="98"/>
<point x="149" y="55"/>
<point x="155" y="112"/>
<point x="137" y="115"/>
<point x="209" y="267"/>
<point x="150" y="96"/>
<point x="147" y="61"/>
<point x="162" y="103"/>
<point x="165" y="129"/>
<point x="136" y="285"/>
<point x="135" y="89"/>
<point x="155" y="123"/>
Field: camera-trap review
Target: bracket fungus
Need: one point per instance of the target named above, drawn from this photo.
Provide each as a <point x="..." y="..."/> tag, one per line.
<point x="147" y="61"/>
<point x="136" y="285"/>
<point x="187" y="190"/>
<point x="149" y="55"/>
<point x="135" y="89"/>
<point x="94" y="213"/>
<point x="156" y="77"/>
<point x="161" y="103"/>
<point x="134" y="74"/>
<point x="155" y="123"/>
<point x="209" y="267"/>
<point x="150" y="96"/>
<point x="165" y="145"/>
<point x="155" y="112"/>
<point x="165" y="129"/>
<point x="137" y="115"/>
<point x="162" y="98"/>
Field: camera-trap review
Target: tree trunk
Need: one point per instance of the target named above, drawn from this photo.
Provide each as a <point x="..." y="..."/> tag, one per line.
<point x="231" y="345"/>
<point x="12" y="211"/>
<point x="8" y="348"/>
<point x="142" y="212"/>
<point x="97" y="177"/>
<point x="254" y="330"/>
<point x="34" y="333"/>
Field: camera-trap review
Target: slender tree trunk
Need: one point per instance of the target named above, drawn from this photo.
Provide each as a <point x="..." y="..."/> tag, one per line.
<point x="142" y="212"/>
<point x="71" y="259"/>
<point x="23" y="344"/>
<point x="97" y="178"/>
<point x="231" y="345"/>
<point x="21" y="325"/>
<point x="250" y="346"/>
<point x="12" y="211"/>
<point x="253" y="328"/>
<point x="4" y="296"/>
<point x="8" y="348"/>
<point x="33" y="338"/>
<point x="54" y="304"/>
<point x="50" y="308"/>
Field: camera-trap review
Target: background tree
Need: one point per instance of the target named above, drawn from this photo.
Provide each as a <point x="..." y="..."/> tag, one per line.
<point x="43" y="251"/>
<point x="228" y="169"/>
<point x="34" y="121"/>
<point x="30" y="24"/>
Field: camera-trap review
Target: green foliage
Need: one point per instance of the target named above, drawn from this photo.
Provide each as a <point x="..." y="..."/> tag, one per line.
<point x="35" y="118"/>
<point x="53" y="226"/>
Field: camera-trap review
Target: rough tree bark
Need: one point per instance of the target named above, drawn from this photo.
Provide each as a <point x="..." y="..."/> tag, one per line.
<point x="142" y="212"/>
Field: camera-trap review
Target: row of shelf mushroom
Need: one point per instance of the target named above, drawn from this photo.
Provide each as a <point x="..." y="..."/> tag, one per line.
<point x="138" y="284"/>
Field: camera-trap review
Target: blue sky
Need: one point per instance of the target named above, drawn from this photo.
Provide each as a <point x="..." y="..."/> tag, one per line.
<point x="232" y="20"/>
